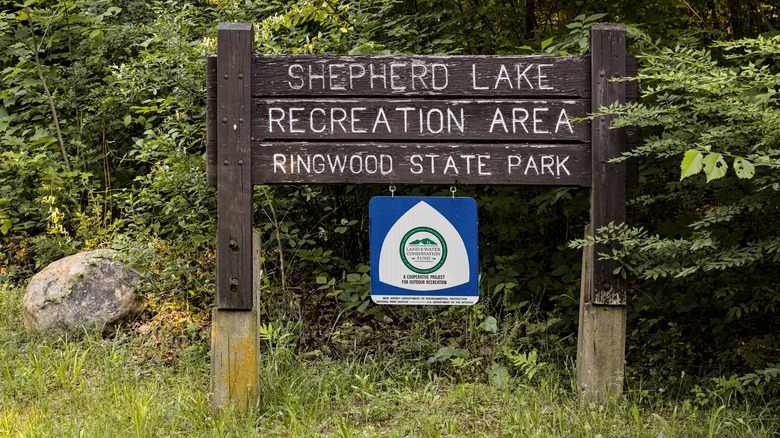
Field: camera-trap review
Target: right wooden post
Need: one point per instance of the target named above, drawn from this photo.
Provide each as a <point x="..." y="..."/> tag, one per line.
<point x="602" y="326"/>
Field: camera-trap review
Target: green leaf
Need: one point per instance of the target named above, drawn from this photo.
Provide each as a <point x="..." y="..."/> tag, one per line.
<point x="546" y="43"/>
<point x="594" y="17"/>
<point x="5" y="225"/>
<point x="445" y="353"/>
<point x="198" y="239"/>
<point x="489" y="325"/>
<point x="691" y="164"/>
<point x="714" y="166"/>
<point x="744" y="168"/>
<point x="128" y="118"/>
<point x="499" y="375"/>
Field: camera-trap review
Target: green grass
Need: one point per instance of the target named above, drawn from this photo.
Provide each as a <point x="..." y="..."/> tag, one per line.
<point x="96" y="387"/>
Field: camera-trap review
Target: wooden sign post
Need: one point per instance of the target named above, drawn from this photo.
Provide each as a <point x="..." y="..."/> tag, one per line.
<point x="234" y="340"/>
<point x="510" y="120"/>
<point x="601" y="341"/>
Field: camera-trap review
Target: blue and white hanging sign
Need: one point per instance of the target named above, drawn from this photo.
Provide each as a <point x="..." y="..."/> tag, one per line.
<point x="423" y="250"/>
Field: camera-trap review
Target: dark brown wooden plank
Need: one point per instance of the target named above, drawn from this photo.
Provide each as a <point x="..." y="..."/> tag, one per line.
<point x="608" y="192"/>
<point x="426" y="163"/>
<point x="420" y="119"/>
<point x="211" y="120"/>
<point x="234" y="180"/>
<point x="420" y="75"/>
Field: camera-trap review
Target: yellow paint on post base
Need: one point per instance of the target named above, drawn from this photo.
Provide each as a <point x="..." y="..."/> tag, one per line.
<point x="235" y="347"/>
<point x="234" y="358"/>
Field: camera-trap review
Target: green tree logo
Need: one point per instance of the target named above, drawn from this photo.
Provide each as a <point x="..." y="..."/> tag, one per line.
<point x="423" y="250"/>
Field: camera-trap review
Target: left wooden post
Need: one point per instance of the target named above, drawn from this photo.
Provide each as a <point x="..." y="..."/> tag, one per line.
<point x="234" y="353"/>
<point x="234" y="166"/>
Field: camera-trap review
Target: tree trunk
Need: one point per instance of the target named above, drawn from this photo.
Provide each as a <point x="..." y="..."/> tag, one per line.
<point x="530" y="18"/>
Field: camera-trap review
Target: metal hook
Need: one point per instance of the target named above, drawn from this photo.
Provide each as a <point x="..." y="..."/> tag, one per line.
<point x="453" y="189"/>
<point x="392" y="191"/>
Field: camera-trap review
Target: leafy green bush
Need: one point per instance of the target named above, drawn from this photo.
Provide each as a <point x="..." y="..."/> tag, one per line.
<point x="711" y="158"/>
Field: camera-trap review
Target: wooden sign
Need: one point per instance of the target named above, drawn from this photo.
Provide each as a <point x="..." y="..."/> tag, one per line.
<point x="412" y="119"/>
<point x="415" y="119"/>
<point x="490" y="107"/>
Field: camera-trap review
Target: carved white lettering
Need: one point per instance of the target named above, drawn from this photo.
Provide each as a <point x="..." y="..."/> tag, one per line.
<point x="416" y="162"/>
<point x="415" y="75"/>
<point x="381" y="117"/>
<point x="481" y="165"/>
<point x="498" y="118"/>
<point x="355" y="119"/>
<point x="440" y="116"/>
<point x="373" y="76"/>
<point x="419" y="72"/>
<point x="271" y="119"/>
<point x="468" y="162"/>
<point x="440" y="80"/>
<point x="538" y="121"/>
<point x="542" y="82"/>
<point x="337" y="163"/>
<point x="333" y="77"/>
<point x="531" y="165"/>
<point x="406" y="116"/>
<point x="298" y="76"/>
<point x="519" y="115"/>
<point x="395" y="77"/>
<point x="303" y="163"/>
<point x="503" y="75"/>
<point x="561" y="164"/>
<point x="460" y="122"/>
<point x="547" y="163"/>
<point x="340" y="120"/>
<point x="524" y="75"/>
<point x="433" y="161"/>
<point x="318" y="163"/>
<point x="353" y="69"/>
<point x="311" y="120"/>
<point x="431" y="120"/>
<point x="550" y="165"/>
<point x="279" y="161"/>
<point x="355" y="164"/>
<point x="313" y="76"/>
<point x="450" y="165"/>
<point x="356" y="168"/>
<point x="512" y="162"/>
<point x="474" y="79"/>
<point x="367" y="166"/>
<point x="563" y="119"/>
<point x="294" y="119"/>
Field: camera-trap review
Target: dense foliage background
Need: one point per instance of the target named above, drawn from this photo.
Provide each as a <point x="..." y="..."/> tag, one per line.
<point x="102" y="129"/>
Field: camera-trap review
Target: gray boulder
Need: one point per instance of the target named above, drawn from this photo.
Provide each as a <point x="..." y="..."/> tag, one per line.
<point x="86" y="290"/>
